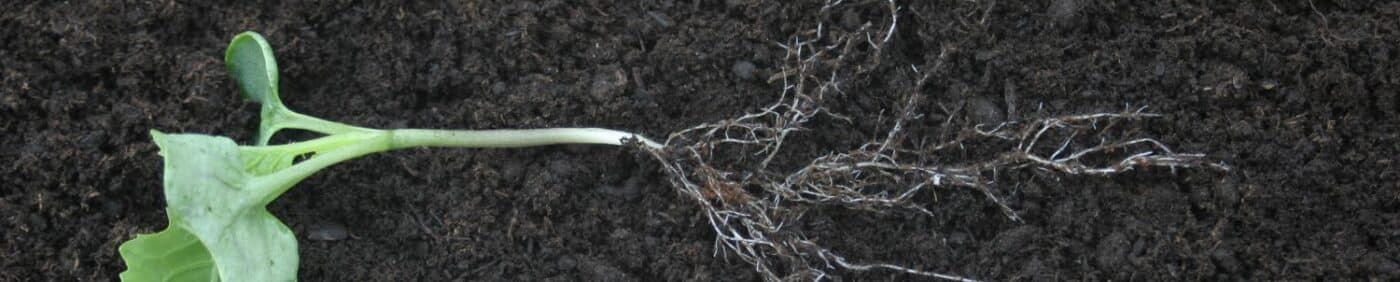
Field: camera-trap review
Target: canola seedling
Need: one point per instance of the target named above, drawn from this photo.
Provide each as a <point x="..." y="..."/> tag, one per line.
<point x="217" y="191"/>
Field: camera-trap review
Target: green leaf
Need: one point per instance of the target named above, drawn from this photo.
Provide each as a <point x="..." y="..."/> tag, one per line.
<point x="253" y="67"/>
<point x="171" y="255"/>
<point x="209" y="198"/>
<point x="217" y="192"/>
<point x="250" y="61"/>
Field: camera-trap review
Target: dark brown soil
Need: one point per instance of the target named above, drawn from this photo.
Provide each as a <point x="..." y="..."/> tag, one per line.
<point x="1298" y="96"/>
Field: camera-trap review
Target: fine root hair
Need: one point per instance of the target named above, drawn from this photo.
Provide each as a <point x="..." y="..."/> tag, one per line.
<point x="727" y="167"/>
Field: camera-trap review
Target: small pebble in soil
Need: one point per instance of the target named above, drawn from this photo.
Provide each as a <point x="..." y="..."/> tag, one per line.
<point x="983" y="111"/>
<point x="608" y="82"/>
<point x="327" y="232"/>
<point x="958" y="238"/>
<point x="566" y="263"/>
<point x="623" y="192"/>
<point x="743" y="69"/>
<point x="1268" y="84"/>
<point x="111" y="207"/>
<point x="661" y="19"/>
<point x="93" y="139"/>
<point x="498" y="88"/>
<point x="1113" y="251"/>
<point x="37" y="223"/>
<point x="1225" y="259"/>
<point x="1384" y="265"/>
<point x="1229" y="193"/>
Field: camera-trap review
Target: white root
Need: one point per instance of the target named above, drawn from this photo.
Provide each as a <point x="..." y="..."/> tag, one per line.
<point x="749" y="205"/>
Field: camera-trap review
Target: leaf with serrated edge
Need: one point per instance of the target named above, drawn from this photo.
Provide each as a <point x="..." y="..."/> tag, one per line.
<point x="171" y="255"/>
<point x="207" y="197"/>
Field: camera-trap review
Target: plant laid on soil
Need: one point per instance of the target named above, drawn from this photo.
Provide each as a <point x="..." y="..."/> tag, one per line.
<point x="748" y="188"/>
<point x="217" y="191"/>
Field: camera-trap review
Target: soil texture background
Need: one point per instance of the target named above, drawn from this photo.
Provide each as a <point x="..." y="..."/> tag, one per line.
<point x="1298" y="97"/>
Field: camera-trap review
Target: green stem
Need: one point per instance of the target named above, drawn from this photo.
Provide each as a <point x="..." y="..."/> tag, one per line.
<point x="299" y="121"/>
<point x="509" y="138"/>
<point x="309" y="146"/>
<point x="340" y="147"/>
<point x="273" y="185"/>
<point x="278" y="118"/>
